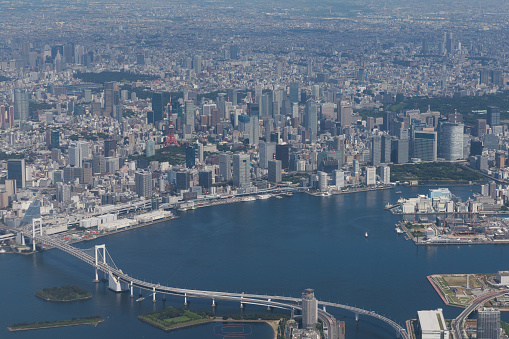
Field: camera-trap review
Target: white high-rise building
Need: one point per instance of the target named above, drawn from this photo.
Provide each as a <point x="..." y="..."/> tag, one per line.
<point x="370" y="176"/>
<point x="339" y="179"/>
<point x="322" y="181"/>
<point x="78" y="151"/>
<point x="451" y="141"/>
<point x="385" y="174"/>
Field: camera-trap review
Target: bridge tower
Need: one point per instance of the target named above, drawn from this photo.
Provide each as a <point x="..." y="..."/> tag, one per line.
<point x="36" y="224"/>
<point x="96" y="250"/>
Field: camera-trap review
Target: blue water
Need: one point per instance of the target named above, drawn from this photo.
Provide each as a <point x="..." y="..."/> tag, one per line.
<point x="274" y="246"/>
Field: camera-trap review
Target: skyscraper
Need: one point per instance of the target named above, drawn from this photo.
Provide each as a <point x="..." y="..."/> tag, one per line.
<point x="143" y="184"/>
<point x="450" y="143"/>
<point x="376" y="150"/>
<point x="21" y="109"/>
<point x="370" y="176"/>
<point x="488" y="323"/>
<point x="16" y="170"/>
<point x="385" y="174"/>
<point x="110" y="146"/>
<point x="110" y="88"/>
<point x="189" y="113"/>
<point x="254" y="123"/>
<point x="275" y="169"/>
<point x="78" y="151"/>
<point x="309" y="309"/>
<point x="190" y="157"/>
<point x="225" y="161"/>
<point x="234" y="52"/>
<point x="424" y="145"/>
<point x="267" y="153"/>
<point x="294" y="92"/>
<point x="311" y="119"/>
<point x="241" y="170"/>
<point x="493" y="116"/>
<point x="157" y="106"/>
<point x="205" y="179"/>
<point x="283" y="154"/>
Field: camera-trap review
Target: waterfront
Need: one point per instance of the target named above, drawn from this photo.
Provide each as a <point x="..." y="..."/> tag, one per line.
<point x="274" y="246"/>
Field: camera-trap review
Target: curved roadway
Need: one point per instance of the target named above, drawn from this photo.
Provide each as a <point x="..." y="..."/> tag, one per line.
<point x="244" y="298"/>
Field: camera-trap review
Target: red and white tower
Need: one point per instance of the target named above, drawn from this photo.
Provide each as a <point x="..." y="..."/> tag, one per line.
<point x="170" y="139"/>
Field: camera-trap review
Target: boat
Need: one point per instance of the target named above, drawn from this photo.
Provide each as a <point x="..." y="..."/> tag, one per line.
<point x="398" y="192"/>
<point x="399" y="230"/>
<point x="263" y="196"/>
<point x="250" y="198"/>
<point x="289" y="195"/>
<point x="325" y="194"/>
<point x="366" y="234"/>
<point x="279" y="197"/>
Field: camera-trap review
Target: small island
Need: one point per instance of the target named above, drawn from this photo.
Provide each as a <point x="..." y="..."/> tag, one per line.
<point x="64" y="293"/>
<point x="173" y="318"/>
<point x="91" y="320"/>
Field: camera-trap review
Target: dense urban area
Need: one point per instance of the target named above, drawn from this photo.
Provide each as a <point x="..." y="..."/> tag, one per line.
<point x="114" y="117"/>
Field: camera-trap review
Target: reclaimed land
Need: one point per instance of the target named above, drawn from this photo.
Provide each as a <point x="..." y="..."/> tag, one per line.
<point x="64" y="293"/>
<point x="434" y="172"/>
<point x="174" y="318"/>
<point x="92" y="320"/>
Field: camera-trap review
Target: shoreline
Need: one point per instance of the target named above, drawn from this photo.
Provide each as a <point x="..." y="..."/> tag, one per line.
<point x="62" y="301"/>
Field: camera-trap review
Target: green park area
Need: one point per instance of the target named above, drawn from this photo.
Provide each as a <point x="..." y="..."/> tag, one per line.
<point x="64" y="293"/>
<point x="417" y="230"/>
<point x="434" y="172"/>
<point x="454" y="289"/>
<point x="92" y="320"/>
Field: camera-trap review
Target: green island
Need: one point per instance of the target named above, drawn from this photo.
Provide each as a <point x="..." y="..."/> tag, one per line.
<point x="434" y="171"/>
<point x="91" y="320"/>
<point x="173" y="318"/>
<point x="64" y="293"/>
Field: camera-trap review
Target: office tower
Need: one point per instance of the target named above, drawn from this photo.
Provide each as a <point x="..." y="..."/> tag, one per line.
<point x="497" y="78"/>
<point x="197" y="63"/>
<point x="21" y="109"/>
<point x="63" y="193"/>
<point x="481" y="127"/>
<point x="275" y="170"/>
<point x="16" y="170"/>
<point x="309" y="309"/>
<point x="322" y="183"/>
<point x="225" y="166"/>
<point x="493" y="116"/>
<point x="78" y="151"/>
<point x="376" y="150"/>
<point x="450" y="143"/>
<point x="339" y="178"/>
<point x="424" y="145"/>
<point x="190" y="157"/>
<point x="345" y="114"/>
<point x="110" y="88"/>
<point x="283" y="154"/>
<point x="241" y="170"/>
<point x="205" y="179"/>
<point x="484" y="77"/>
<point x="189" y="113"/>
<point x="254" y="123"/>
<point x="370" y="176"/>
<point x="385" y="175"/>
<point x="266" y="105"/>
<point x="140" y="59"/>
<point x="150" y="149"/>
<point x="232" y="96"/>
<point x="110" y="147"/>
<point x="143" y="184"/>
<point x="399" y="151"/>
<point x="294" y="92"/>
<point x="234" y="52"/>
<point x="311" y="119"/>
<point x="54" y="139"/>
<point x="386" y="149"/>
<point x="356" y="168"/>
<point x="388" y="121"/>
<point x="157" y="106"/>
<point x="267" y="153"/>
<point x="199" y="148"/>
<point x="425" y="48"/>
<point x="449" y="43"/>
<point x="488" y="323"/>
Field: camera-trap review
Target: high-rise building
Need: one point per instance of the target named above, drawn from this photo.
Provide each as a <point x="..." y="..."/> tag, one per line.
<point x="78" y="151"/>
<point x="275" y="169"/>
<point x="190" y="157"/>
<point x="21" y="108"/>
<point x="225" y="161"/>
<point x="234" y="52"/>
<point x="450" y="143"/>
<point x="385" y="175"/>
<point x="386" y="149"/>
<point x="189" y="113"/>
<point x="481" y="127"/>
<point x="370" y="176"/>
<point x="339" y="179"/>
<point x="311" y="119"/>
<point x="197" y="64"/>
<point x="54" y="139"/>
<point x="110" y="88"/>
<point x="110" y="146"/>
<point x="16" y="170"/>
<point x="309" y="309"/>
<point x="484" y="77"/>
<point x="322" y="182"/>
<point x="157" y="106"/>
<point x="294" y="91"/>
<point x="493" y="116"/>
<point x="143" y="184"/>
<point x="424" y="145"/>
<point x="488" y="323"/>
<point x="150" y="149"/>
<point x="205" y="179"/>
<point x="232" y="96"/>
<point x="254" y="123"/>
<point x="283" y="154"/>
<point x="267" y="153"/>
<point x="376" y="150"/>
<point x="241" y="170"/>
<point x="399" y="151"/>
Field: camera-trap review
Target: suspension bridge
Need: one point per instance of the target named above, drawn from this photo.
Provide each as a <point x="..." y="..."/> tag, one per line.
<point x="118" y="281"/>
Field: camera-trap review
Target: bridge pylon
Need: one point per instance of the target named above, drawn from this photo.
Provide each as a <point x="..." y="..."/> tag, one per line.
<point x="97" y="248"/>
<point x="36" y="225"/>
